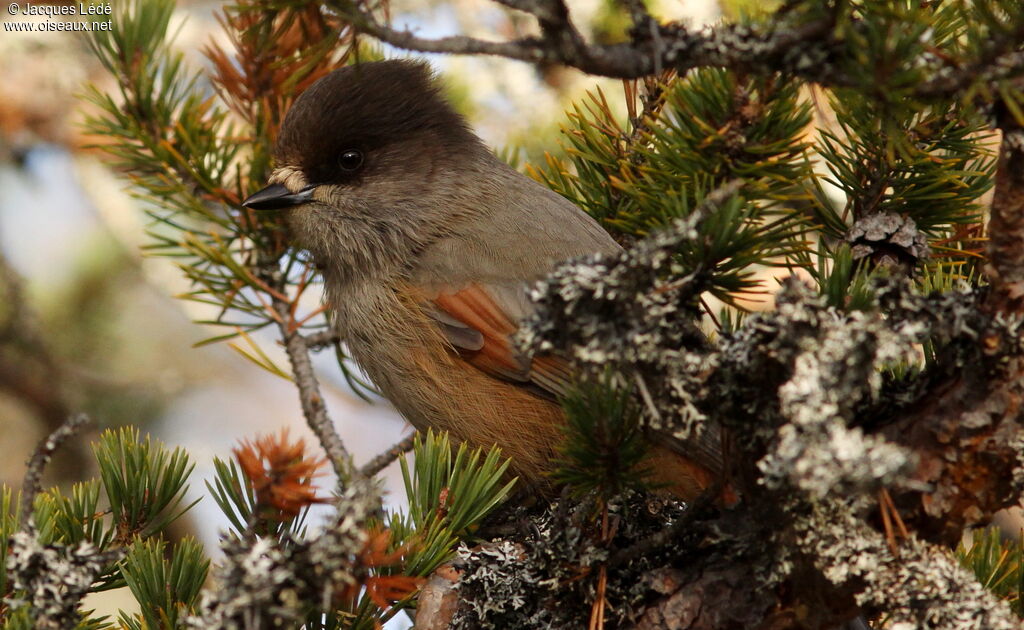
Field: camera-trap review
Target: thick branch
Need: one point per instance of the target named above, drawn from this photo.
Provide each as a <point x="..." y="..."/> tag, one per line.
<point x="803" y="50"/>
<point x="1005" y="269"/>
<point x="966" y="431"/>
<point x="666" y="46"/>
<point x="1000" y="59"/>
<point x="964" y="437"/>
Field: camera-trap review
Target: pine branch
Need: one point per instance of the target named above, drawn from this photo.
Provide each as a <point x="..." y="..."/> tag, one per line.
<point x="321" y="340"/>
<point x="821" y="403"/>
<point x="383" y="460"/>
<point x="313" y="407"/>
<point x="800" y="39"/>
<point x="30" y="486"/>
<point x="653" y="49"/>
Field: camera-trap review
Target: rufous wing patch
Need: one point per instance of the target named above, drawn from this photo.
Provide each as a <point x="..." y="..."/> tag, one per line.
<point x="481" y="310"/>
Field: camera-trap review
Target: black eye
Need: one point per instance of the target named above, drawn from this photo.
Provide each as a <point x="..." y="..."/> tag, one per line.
<point x="350" y="160"/>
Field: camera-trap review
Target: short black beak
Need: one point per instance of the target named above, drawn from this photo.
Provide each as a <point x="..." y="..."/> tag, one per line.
<point x="277" y="197"/>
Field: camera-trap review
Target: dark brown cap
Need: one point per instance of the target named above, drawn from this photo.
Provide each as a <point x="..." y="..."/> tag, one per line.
<point x="366" y="107"/>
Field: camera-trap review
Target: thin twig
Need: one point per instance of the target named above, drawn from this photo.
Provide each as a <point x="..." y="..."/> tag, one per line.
<point x="320" y="340"/>
<point x="894" y="511"/>
<point x="600" y="600"/>
<point x="382" y="461"/>
<point x="32" y="482"/>
<point x="890" y="537"/>
<point x="313" y="407"/>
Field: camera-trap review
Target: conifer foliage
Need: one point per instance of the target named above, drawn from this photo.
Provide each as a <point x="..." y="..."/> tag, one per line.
<point x="821" y="296"/>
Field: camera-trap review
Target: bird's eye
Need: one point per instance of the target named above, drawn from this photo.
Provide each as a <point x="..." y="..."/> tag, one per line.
<point x="350" y="160"/>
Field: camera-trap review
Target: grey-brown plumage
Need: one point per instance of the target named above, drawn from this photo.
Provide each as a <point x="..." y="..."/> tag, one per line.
<point x="428" y="243"/>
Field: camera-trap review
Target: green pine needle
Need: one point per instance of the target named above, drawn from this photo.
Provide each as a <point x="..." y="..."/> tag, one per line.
<point x="998" y="564"/>
<point x="236" y="498"/>
<point x="449" y="494"/>
<point x="603" y="450"/>
<point x="166" y="588"/>
<point x="143" y="481"/>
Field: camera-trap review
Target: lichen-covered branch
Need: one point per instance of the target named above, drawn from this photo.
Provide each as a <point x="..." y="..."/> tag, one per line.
<point x="965" y="431"/>
<point x="40" y="458"/>
<point x="321" y="340"/>
<point x="271" y="582"/>
<point x="801" y="47"/>
<point x="835" y="369"/>
<point x="802" y="397"/>
<point x="313" y="407"/>
<point x="54" y="577"/>
<point x="999" y="59"/>
<point x="923" y="586"/>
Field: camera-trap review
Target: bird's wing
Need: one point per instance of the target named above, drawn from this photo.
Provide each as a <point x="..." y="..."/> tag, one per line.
<point x="478" y="321"/>
<point x="476" y="280"/>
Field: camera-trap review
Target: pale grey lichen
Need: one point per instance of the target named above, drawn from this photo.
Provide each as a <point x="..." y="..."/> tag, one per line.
<point x="1014" y="139"/>
<point x="53" y="578"/>
<point x="275" y="582"/>
<point x="1017" y="444"/>
<point x="776" y="49"/>
<point x="800" y="392"/>
<point x="923" y="587"/>
<point x="546" y="576"/>
<point x="839" y="366"/>
<point x="631" y="310"/>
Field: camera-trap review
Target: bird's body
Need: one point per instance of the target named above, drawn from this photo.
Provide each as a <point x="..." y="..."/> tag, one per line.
<point x="428" y="244"/>
<point x="433" y="377"/>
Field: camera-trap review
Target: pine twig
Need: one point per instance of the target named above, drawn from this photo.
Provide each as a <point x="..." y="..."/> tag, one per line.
<point x="320" y="340"/>
<point x="32" y="481"/>
<point x="383" y="460"/>
<point x="313" y="406"/>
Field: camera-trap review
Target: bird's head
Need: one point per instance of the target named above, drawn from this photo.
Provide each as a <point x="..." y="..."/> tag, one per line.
<point x="371" y="161"/>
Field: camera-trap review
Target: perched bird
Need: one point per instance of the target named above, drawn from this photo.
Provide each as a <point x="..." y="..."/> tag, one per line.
<point x="428" y="244"/>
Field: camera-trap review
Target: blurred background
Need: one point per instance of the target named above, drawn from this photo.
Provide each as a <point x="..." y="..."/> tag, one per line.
<point x="88" y="323"/>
